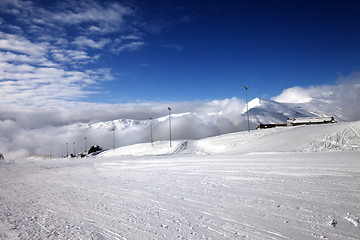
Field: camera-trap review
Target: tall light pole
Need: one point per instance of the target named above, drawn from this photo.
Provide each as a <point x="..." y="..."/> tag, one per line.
<point x="113" y="129"/>
<point x="67" y="149"/>
<point x="74" y="149"/>
<point x="170" y="123"/>
<point x="85" y="145"/>
<point x="247" y="107"/>
<point x="151" y="135"/>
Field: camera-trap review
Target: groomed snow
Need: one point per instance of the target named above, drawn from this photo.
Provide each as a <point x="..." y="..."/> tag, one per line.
<point x="283" y="183"/>
<point x="310" y="138"/>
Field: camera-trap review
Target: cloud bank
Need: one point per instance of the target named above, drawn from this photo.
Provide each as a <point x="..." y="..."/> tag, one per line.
<point x="46" y="131"/>
<point x="341" y="100"/>
<point x="43" y="130"/>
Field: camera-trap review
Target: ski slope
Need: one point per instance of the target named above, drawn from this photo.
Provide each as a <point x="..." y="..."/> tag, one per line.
<point x="308" y="138"/>
<point x="283" y="183"/>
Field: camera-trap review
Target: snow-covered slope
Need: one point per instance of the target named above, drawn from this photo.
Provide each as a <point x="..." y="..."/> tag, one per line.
<point x="314" y="138"/>
<point x="283" y="183"/>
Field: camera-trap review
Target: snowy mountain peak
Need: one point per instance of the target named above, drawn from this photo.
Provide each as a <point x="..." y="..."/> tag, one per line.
<point x="118" y="124"/>
<point x="261" y="103"/>
<point x="256" y="102"/>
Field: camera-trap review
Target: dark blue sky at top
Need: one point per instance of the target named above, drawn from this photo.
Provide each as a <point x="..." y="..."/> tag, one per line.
<point x="196" y="50"/>
<point x="210" y="49"/>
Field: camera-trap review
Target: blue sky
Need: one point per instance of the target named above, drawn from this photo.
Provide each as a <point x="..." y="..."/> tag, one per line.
<point x="65" y="62"/>
<point x="157" y="51"/>
<point x="221" y="45"/>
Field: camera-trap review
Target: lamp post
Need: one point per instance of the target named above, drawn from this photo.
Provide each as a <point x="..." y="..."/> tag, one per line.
<point x="151" y="137"/>
<point x="67" y="149"/>
<point x="170" y="123"/>
<point x="113" y="129"/>
<point x="74" y="149"/>
<point x="85" y="145"/>
<point x="247" y="107"/>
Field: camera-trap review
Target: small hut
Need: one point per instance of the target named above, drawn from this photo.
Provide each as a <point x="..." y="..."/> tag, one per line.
<point x="94" y="150"/>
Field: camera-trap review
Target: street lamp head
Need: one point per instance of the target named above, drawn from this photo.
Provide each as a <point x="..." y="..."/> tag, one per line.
<point x="169" y="108"/>
<point x="246" y="87"/>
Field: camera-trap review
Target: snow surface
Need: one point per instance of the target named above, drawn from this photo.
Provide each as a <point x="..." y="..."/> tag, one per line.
<point x="312" y="138"/>
<point x="283" y="183"/>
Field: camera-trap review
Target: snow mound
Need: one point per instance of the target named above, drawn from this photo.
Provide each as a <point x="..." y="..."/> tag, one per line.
<point x="190" y="147"/>
<point x="315" y="138"/>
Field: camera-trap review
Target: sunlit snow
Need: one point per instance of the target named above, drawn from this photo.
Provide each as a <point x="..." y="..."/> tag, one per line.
<point x="282" y="183"/>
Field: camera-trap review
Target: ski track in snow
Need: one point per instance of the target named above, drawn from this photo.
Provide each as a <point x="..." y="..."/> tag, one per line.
<point x="242" y="195"/>
<point x="263" y="196"/>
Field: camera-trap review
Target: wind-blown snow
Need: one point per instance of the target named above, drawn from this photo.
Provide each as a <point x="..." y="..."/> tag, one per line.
<point x="283" y="183"/>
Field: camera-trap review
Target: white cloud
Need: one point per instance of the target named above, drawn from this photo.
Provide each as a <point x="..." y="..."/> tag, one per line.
<point x="23" y="58"/>
<point x="132" y="46"/>
<point x="22" y="45"/>
<point x="27" y="129"/>
<point x="71" y="56"/>
<point x="87" y="42"/>
<point x="39" y="62"/>
<point x="109" y="18"/>
<point x="294" y="95"/>
<point x="130" y="37"/>
<point x="26" y="84"/>
<point x="341" y="100"/>
<point x="305" y="95"/>
<point x="16" y="7"/>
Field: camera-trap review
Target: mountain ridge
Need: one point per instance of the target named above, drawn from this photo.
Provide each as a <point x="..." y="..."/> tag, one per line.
<point x="261" y="110"/>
